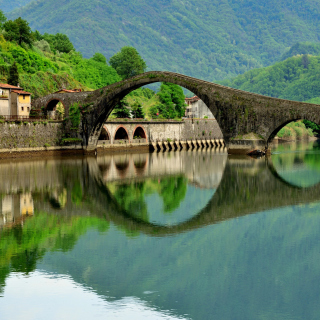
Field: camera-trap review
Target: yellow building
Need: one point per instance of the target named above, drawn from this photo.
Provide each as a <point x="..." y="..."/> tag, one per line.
<point x="14" y="101"/>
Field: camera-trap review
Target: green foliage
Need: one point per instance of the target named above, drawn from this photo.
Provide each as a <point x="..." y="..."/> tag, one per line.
<point x="312" y="126"/>
<point x="128" y="62"/>
<point x="296" y="78"/>
<point x="76" y="194"/>
<point x="43" y="72"/>
<point x="13" y="78"/>
<point x="99" y="57"/>
<point x="18" y="31"/>
<point x="42" y="45"/>
<point x="121" y="110"/>
<point x="60" y="110"/>
<point x="172" y="101"/>
<point x="75" y="115"/>
<point x="211" y="40"/>
<point x="58" y="42"/>
<point x="296" y="130"/>
<point x="137" y="111"/>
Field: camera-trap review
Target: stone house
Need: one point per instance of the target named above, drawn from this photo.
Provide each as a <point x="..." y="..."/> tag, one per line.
<point x="196" y="108"/>
<point x="14" y="101"/>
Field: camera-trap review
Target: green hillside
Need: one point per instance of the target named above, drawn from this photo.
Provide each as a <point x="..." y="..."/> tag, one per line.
<point x="43" y="71"/>
<point x="296" y="78"/>
<point x="211" y="40"/>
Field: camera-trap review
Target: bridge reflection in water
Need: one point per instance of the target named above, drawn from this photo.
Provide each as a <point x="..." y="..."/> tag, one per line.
<point x="128" y="189"/>
<point x="46" y="206"/>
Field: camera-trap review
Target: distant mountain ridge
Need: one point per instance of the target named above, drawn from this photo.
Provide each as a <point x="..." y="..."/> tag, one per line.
<point x="9" y="5"/>
<point x="208" y="39"/>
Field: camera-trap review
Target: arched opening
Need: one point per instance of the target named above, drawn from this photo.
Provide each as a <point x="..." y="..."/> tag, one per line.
<point x="104" y="137"/>
<point x="55" y="110"/>
<point x="121" y="136"/>
<point x="139" y="134"/>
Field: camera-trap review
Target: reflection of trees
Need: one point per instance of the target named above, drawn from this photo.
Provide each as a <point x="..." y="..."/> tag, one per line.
<point x="131" y="196"/>
<point x="172" y="191"/>
<point x="21" y="247"/>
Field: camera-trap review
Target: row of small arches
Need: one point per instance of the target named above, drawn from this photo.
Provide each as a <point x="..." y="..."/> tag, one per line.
<point x="122" y="134"/>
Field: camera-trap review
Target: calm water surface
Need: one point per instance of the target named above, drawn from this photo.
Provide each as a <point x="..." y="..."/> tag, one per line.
<point x="180" y="235"/>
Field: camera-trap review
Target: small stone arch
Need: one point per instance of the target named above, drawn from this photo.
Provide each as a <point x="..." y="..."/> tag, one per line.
<point x="121" y="134"/>
<point x="139" y="133"/>
<point x="104" y="134"/>
<point x="51" y="107"/>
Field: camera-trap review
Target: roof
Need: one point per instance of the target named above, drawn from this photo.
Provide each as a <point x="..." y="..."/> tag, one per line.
<point x="193" y="98"/>
<point x="21" y="92"/>
<point x="9" y="86"/>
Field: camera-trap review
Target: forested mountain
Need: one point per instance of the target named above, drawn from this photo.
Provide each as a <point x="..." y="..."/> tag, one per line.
<point x="208" y="39"/>
<point x="296" y="78"/>
<point x="8" y="5"/>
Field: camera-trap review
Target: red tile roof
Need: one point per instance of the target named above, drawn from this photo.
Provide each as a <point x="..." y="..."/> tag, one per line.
<point x="21" y="92"/>
<point x="9" y="86"/>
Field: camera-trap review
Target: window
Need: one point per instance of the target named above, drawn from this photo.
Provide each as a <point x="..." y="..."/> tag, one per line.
<point x="24" y="97"/>
<point x="28" y="109"/>
<point x="22" y="108"/>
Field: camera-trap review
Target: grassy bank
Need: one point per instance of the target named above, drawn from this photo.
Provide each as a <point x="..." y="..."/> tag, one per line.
<point x="295" y="131"/>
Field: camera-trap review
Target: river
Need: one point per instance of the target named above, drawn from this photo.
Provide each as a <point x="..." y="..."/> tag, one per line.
<point x="178" y="235"/>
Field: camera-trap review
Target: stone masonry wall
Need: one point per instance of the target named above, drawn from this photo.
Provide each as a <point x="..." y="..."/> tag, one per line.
<point x="30" y="135"/>
<point x="174" y="130"/>
<point x="49" y="134"/>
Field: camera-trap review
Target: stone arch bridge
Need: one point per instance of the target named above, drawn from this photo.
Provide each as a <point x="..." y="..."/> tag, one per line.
<point x="237" y="112"/>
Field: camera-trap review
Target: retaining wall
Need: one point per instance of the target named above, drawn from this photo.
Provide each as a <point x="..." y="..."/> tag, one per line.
<point x="30" y="135"/>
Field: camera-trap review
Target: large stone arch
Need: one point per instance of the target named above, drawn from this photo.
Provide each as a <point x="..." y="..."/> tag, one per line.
<point x="237" y="112"/>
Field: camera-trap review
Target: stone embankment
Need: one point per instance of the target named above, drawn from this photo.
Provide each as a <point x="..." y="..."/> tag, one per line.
<point x="39" y="138"/>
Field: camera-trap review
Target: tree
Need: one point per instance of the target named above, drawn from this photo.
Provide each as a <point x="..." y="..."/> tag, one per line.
<point x="121" y="110"/>
<point x="18" y="31"/>
<point x="62" y="43"/>
<point x="59" y="42"/>
<point x="137" y="111"/>
<point x="128" y="62"/>
<point x="172" y="101"/>
<point x="305" y="61"/>
<point x="99" y="57"/>
<point x="13" y="78"/>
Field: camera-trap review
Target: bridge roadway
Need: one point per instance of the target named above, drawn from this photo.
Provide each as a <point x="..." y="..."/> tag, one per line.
<point x="246" y="187"/>
<point x="237" y="112"/>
